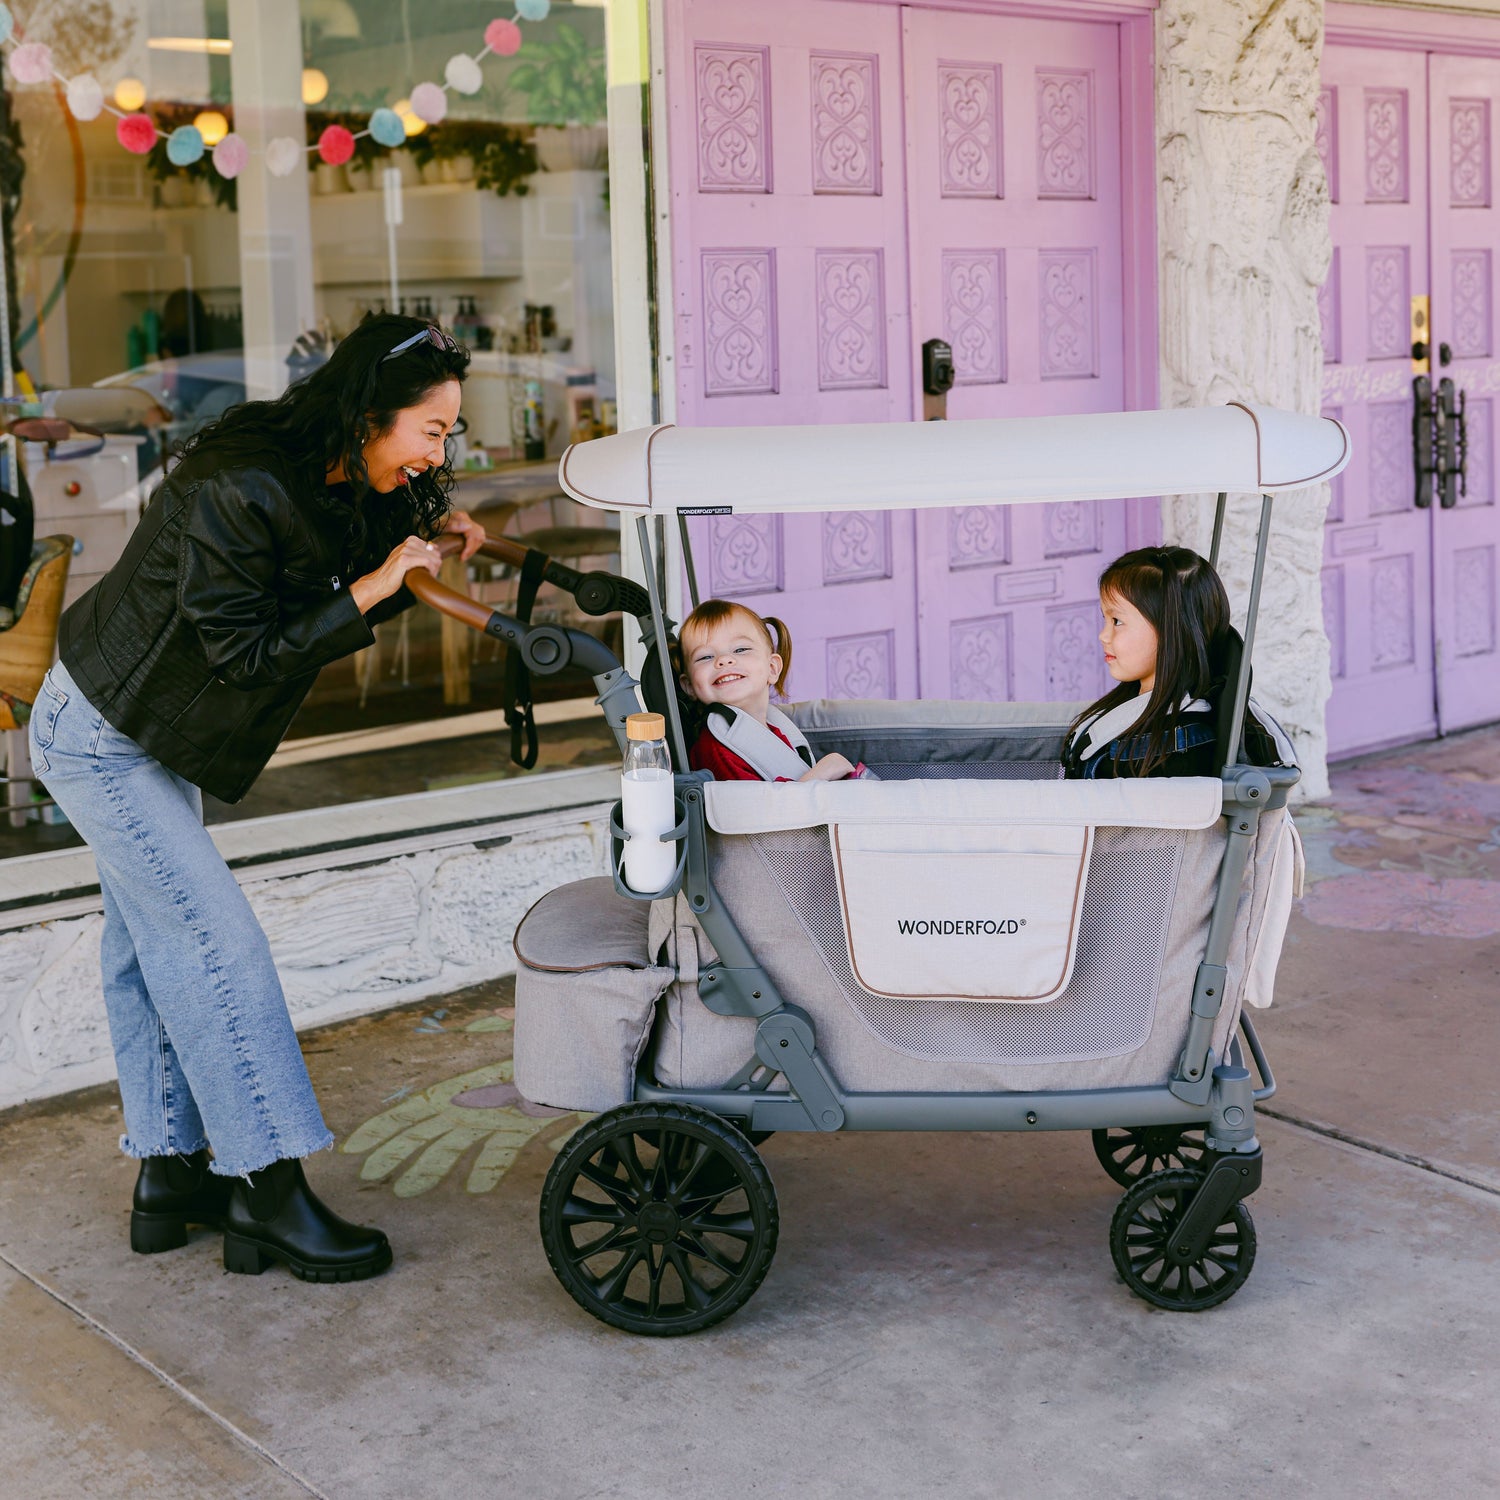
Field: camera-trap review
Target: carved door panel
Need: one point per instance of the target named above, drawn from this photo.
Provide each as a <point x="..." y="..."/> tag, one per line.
<point x="1013" y="161"/>
<point x="1465" y="245"/>
<point x="1377" y="574"/>
<point x="789" y="262"/>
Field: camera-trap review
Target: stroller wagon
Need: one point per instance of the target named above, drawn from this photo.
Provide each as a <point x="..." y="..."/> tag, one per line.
<point x="967" y="943"/>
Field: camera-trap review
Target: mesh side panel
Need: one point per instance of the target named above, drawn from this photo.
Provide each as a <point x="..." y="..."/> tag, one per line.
<point x="1106" y="1010"/>
<point x="985" y="770"/>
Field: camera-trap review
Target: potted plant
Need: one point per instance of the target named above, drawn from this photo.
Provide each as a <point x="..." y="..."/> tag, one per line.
<point x="562" y="80"/>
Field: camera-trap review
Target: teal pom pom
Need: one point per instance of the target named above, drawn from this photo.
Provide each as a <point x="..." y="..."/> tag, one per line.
<point x="533" y="10"/>
<point x="7" y="23"/>
<point x="387" y="129"/>
<point x="184" y="145"/>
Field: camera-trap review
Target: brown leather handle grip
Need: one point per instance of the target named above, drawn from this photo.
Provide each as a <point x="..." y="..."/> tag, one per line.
<point x="426" y="588"/>
<point x="459" y="606"/>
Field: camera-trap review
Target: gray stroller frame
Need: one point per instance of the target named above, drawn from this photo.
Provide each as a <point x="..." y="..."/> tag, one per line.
<point x="659" y="1217"/>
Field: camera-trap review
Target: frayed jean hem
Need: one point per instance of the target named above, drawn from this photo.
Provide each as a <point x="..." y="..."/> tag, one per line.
<point x="146" y="1153"/>
<point x="229" y="1168"/>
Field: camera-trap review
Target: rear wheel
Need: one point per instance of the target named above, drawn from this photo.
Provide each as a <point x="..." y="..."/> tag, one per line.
<point x="659" y="1218"/>
<point x="1129" y="1153"/>
<point x="1142" y="1227"/>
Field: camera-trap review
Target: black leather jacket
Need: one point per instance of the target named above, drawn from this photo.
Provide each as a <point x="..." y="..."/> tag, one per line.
<point x="203" y="640"/>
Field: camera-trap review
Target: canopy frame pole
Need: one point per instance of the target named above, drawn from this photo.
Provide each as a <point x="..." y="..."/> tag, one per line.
<point x="687" y="558"/>
<point x="1213" y="552"/>
<point x="663" y="653"/>
<point x="1252" y="613"/>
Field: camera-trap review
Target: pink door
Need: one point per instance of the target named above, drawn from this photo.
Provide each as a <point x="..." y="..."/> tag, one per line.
<point x="1465" y="244"/>
<point x="789" y="258"/>
<point x="1377" y="587"/>
<point x="1408" y="593"/>
<point x="848" y="180"/>
<point x="1013" y="166"/>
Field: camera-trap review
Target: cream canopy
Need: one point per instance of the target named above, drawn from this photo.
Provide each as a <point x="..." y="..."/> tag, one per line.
<point x="1003" y="461"/>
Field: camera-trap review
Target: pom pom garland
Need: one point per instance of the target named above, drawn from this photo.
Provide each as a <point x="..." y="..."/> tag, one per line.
<point x="503" y="38"/>
<point x="429" y="102"/>
<point x="282" y="156"/>
<point x="85" y="97"/>
<point x="31" y="63"/>
<point x="184" y="145"/>
<point x="386" y="128"/>
<point x="335" y="145"/>
<point x="463" y="75"/>
<point x="135" y="133"/>
<point x="231" y="156"/>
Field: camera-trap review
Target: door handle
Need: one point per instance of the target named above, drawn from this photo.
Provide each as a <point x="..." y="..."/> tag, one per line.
<point x="1423" y="440"/>
<point x="1452" y="443"/>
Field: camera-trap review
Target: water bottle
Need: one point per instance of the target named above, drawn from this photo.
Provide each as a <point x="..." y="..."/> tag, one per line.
<point x="648" y="807"/>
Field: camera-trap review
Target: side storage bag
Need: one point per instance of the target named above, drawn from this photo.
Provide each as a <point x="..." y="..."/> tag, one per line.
<point x="586" y="992"/>
<point x="1284" y="885"/>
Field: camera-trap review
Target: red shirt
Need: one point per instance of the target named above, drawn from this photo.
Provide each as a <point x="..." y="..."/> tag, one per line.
<point x="710" y="753"/>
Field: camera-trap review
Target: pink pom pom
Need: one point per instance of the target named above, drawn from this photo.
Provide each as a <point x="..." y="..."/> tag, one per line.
<point x="429" y="102"/>
<point x="231" y="156"/>
<point x="335" y="145"/>
<point x="135" y="133"/>
<point x="503" y="38"/>
<point x="32" y="63"/>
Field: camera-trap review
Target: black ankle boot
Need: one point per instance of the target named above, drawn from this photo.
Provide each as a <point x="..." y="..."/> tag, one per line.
<point x="172" y="1192"/>
<point x="274" y="1215"/>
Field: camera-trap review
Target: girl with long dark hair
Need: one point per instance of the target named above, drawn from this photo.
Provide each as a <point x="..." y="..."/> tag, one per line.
<point x="281" y="536"/>
<point x="1166" y="626"/>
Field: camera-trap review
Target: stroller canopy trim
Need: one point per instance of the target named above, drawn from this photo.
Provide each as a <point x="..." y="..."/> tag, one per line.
<point x="1002" y="461"/>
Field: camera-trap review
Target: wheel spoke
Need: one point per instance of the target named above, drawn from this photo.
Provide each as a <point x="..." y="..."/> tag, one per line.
<point x="736" y="1226"/>
<point x="654" y="1268"/>
<point x="617" y="1239"/>
<point x="695" y="1245"/>
<point x="622" y="1194"/>
<point x="608" y="1288"/>
<point x="625" y="1153"/>
<point x="694" y="1292"/>
<point x="702" y="1155"/>
<point x="580" y="1211"/>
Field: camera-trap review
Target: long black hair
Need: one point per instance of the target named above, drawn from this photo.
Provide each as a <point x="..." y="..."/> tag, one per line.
<point x="327" y="418"/>
<point x="1184" y="602"/>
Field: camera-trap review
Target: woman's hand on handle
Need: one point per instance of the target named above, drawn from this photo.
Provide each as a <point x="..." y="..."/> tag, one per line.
<point x="461" y="523"/>
<point x="391" y="574"/>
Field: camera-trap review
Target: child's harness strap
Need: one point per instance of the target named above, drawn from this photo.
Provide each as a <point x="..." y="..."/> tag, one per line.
<point x="766" y="755"/>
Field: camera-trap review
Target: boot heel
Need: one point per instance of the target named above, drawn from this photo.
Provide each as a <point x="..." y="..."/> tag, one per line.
<point x="150" y="1234"/>
<point x="243" y="1256"/>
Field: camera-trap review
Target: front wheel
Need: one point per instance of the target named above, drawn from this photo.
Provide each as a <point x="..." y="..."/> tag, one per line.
<point x="659" y="1218"/>
<point x="1142" y="1227"/>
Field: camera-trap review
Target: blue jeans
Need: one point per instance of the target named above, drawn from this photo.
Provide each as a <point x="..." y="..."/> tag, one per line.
<point x="203" y="1041"/>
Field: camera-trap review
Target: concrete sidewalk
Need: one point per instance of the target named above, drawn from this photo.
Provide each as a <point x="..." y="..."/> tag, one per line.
<point x="942" y="1315"/>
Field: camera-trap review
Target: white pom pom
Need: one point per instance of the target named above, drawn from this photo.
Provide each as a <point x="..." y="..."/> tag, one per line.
<point x="85" y="97"/>
<point x="463" y="74"/>
<point x="282" y="156"/>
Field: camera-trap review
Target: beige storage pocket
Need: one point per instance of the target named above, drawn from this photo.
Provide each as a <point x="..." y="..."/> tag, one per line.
<point x="1283" y="886"/>
<point x="946" y="912"/>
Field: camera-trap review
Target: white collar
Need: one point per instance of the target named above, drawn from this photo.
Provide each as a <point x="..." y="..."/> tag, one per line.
<point x="1105" y="728"/>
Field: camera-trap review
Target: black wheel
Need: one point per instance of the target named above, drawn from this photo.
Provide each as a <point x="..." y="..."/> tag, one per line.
<point x="1138" y="1235"/>
<point x="1129" y="1153"/>
<point x="659" y="1218"/>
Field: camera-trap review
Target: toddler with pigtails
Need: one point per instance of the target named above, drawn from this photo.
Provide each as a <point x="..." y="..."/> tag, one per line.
<point x="729" y="662"/>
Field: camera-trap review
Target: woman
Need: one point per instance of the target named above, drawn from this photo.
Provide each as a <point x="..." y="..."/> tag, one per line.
<point x="279" y="539"/>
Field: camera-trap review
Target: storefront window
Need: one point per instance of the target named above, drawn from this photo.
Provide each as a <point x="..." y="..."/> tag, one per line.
<point x="173" y="289"/>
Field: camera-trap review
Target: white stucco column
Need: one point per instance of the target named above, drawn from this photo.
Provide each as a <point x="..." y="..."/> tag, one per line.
<point x="275" y="220"/>
<point x="1245" y="244"/>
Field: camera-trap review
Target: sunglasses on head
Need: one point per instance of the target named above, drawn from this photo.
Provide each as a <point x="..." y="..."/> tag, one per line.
<point x="434" y="336"/>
